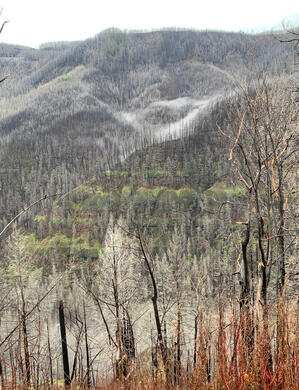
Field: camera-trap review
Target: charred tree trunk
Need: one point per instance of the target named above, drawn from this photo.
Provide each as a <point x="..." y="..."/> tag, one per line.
<point x="177" y="365"/>
<point x="161" y="342"/>
<point x="244" y="301"/>
<point x="50" y="356"/>
<point x="26" y="352"/>
<point x="65" y="357"/>
<point x="281" y="233"/>
<point x="25" y="339"/>
<point x="87" y="349"/>
<point x="2" y="374"/>
<point x="154" y="357"/>
<point x="195" y="340"/>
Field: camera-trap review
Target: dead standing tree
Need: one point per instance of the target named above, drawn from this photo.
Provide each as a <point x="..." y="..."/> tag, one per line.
<point x="66" y="367"/>
<point x="112" y="285"/>
<point x="262" y="134"/>
<point x="161" y="342"/>
<point x="293" y="37"/>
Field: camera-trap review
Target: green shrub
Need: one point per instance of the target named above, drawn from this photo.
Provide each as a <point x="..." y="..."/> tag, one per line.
<point x="40" y="218"/>
<point x="126" y="191"/>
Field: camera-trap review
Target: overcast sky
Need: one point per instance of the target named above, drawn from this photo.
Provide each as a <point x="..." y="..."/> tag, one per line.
<point x="33" y="22"/>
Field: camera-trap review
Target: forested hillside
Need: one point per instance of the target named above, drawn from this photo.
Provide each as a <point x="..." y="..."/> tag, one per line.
<point x="163" y="167"/>
<point x="69" y="111"/>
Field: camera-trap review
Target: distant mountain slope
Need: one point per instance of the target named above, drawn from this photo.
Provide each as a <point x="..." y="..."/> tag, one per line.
<point x="166" y="187"/>
<point x="71" y="111"/>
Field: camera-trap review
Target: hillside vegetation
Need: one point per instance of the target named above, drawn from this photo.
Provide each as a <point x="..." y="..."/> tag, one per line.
<point x="165" y="234"/>
<point x="71" y="111"/>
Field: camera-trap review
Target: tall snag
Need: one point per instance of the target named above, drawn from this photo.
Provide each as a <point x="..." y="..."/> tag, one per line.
<point x="65" y="357"/>
<point x="161" y="341"/>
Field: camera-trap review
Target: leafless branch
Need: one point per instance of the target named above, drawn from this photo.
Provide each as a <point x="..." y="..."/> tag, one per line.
<point x="25" y="210"/>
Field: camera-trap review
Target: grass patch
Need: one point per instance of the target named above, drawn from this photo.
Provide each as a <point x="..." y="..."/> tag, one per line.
<point x="220" y="191"/>
<point x="64" y="79"/>
<point x="9" y="170"/>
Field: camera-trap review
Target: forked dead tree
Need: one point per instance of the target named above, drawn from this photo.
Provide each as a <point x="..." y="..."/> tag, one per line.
<point x="262" y="132"/>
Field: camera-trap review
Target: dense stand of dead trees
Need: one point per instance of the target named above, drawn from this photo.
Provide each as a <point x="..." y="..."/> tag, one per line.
<point x="263" y="140"/>
<point x="213" y="356"/>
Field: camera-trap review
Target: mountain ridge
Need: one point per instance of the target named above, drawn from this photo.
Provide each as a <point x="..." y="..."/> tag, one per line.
<point x="70" y="100"/>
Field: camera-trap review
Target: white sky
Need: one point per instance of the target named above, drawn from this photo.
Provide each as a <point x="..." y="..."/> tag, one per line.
<point x="33" y="22"/>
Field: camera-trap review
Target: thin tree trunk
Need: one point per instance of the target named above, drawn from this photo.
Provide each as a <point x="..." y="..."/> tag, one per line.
<point x="1" y="374"/>
<point x="178" y="349"/>
<point x="246" y="283"/>
<point x="87" y="349"/>
<point x="195" y="340"/>
<point x="26" y="346"/>
<point x="38" y="351"/>
<point x="76" y="354"/>
<point x="50" y="355"/>
<point x="154" y="357"/>
<point x="65" y="357"/>
<point x="281" y="232"/>
<point x="19" y="361"/>
<point x="13" y="369"/>
<point x="119" y="371"/>
<point x="161" y="343"/>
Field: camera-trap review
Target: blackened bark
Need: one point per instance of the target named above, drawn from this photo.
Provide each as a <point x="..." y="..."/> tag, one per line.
<point x="50" y="356"/>
<point x="26" y="350"/>
<point x="65" y="357"/>
<point x="246" y="283"/>
<point x="161" y="343"/>
<point x="245" y="287"/>
<point x="87" y="349"/>
<point x="1" y="374"/>
<point x="25" y="339"/>
<point x="195" y="341"/>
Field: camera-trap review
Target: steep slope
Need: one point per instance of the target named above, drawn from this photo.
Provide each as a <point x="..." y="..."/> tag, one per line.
<point x="162" y="198"/>
<point x="173" y="186"/>
<point x="71" y="111"/>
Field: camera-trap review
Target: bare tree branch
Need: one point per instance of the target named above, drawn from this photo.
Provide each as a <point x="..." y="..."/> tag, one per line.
<point x="25" y="210"/>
